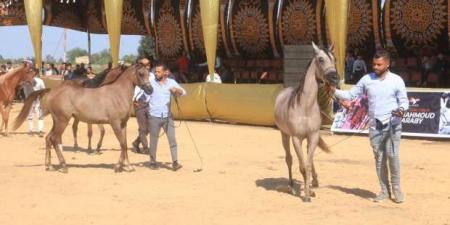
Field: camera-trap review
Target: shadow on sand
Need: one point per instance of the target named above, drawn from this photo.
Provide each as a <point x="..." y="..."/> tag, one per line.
<point x="353" y="191"/>
<point x="280" y="184"/>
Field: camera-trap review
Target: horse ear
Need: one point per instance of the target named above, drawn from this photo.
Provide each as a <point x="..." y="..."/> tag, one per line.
<point x="316" y="49"/>
<point x="331" y="47"/>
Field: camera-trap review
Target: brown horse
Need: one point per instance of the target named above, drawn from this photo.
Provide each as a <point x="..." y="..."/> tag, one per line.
<point x="8" y="85"/>
<point x="297" y="115"/>
<point x="104" y="78"/>
<point x="109" y="104"/>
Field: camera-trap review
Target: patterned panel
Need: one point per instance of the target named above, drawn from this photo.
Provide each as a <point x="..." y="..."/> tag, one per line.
<point x="13" y="15"/>
<point x="416" y="25"/>
<point x="168" y="32"/>
<point x="132" y="18"/>
<point x="299" y="23"/>
<point x="361" y="22"/>
<point x="66" y="15"/>
<point x="251" y="29"/>
<point x="94" y="13"/>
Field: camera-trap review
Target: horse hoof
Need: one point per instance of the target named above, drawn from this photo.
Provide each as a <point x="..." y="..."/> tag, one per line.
<point x="118" y="169"/>
<point x="50" y="168"/>
<point x="307" y="199"/>
<point x="63" y="170"/>
<point x="129" y="169"/>
<point x="313" y="194"/>
<point x="315" y="183"/>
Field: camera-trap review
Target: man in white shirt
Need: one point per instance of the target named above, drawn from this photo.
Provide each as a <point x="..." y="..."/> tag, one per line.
<point x="36" y="85"/>
<point x="388" y="102"/>
<point x="160" y="115"/>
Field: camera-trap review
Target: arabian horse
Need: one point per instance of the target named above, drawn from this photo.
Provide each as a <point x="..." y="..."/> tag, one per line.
<point x="8" y="85"/>
<point x="297" y="115"/>
<point x="109" y="104"/>
<point x="104" y="78"/>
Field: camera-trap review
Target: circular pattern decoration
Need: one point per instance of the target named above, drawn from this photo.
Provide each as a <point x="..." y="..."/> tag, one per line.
<point x="419" y="22"/>
<point x="252" y="32"/>
<point x="13" y="15"/>
<point x="197" y="32"/>
<point x="299" y="24"/>
<point x="169" y="33"/>
<point x="130" y="24"/>
<point x="359" y="23"/>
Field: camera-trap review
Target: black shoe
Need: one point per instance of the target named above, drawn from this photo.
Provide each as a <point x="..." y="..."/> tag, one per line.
<point x="41" y="134"/>
<point x="176" y="166"/>
<point x="153" y="165"/>
<point x="136" y="147"/>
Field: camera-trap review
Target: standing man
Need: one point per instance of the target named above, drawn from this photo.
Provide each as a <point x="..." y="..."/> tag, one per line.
<point x="141" y="103"/>
<point x="388" y="102"/>
<point x="160" y="115"/>
<point x="36" y="111"/>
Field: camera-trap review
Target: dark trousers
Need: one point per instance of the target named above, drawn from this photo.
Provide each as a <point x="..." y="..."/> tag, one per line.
<point x="142" y="117"/>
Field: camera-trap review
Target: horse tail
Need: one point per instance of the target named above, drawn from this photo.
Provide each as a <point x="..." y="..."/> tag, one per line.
<point x="322" y="145"/>
<point x="27" y="107"/>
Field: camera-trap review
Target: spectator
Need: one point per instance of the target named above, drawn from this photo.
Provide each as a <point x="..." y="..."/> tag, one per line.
<point x="89" y="73"/>
<point x="441" y="66"/>
<point x="427" y="67"/>
<point x="349" y="61"/>
<point x="359" y="68"/>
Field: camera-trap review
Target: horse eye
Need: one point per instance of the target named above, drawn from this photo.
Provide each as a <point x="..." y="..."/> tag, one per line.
<point x="321" y="60"/>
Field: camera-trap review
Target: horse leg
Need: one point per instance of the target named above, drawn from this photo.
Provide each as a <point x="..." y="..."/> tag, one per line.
<point x="1" y="113"/>
<point x="315" y="180"/>
<point x="89" y="126"/>
<point x="48" y="154"/>
<point x="58" y="129"/>
<point x="6" y="117"/>
<point x="102" y="134"/>
<point x="313" y="140"/>
<point x="287" y="148"/>
<point x="120" y="132"/>
<point x="74" y="131"/>
<point x="297" y="142"/>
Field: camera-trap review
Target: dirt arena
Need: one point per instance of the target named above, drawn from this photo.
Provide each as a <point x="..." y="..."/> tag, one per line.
<point x="242" y="172"/>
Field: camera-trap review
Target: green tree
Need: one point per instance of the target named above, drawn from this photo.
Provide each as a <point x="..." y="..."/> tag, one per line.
<point x="75" y="52"/>
<point x="129" y="58"/>
<point x="102" y="57"/>
<point x="146" y="47"/>
<point x="50" y="59"/>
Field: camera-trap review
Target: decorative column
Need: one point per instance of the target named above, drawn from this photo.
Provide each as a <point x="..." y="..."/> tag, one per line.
<point x="337" y="13"/>
<point x="33" y="10"/>
<point x="113" y="10"/>
<point x="210" y="20"/>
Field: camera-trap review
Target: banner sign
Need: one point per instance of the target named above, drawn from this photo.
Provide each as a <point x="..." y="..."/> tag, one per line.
<point x="428" y="116"/>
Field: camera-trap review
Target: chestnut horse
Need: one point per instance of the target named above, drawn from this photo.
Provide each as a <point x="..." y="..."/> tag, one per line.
<point x="8" y="85"/>
<point x="109" y="104"/>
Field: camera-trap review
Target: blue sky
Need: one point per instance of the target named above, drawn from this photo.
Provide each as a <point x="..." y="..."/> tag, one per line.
<point x="15" y="42"/>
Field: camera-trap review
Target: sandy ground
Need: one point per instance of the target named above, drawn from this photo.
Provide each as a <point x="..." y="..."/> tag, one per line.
<point x="243" y="168"/>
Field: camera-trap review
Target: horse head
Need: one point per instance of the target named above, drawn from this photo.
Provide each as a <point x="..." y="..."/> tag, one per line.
<point x="143" y="77"/>
<point x="27" y="72"/>
<point x="326" y="65"/>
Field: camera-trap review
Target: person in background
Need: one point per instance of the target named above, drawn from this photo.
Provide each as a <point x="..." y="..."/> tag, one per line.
<point x="359" y="68"/>
<point x="36" y="111"/>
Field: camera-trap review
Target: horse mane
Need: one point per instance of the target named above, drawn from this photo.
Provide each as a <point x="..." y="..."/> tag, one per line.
<point x="12" y="72"/>
<point x="121" y="70"/>
<point x="299" y="89"/>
